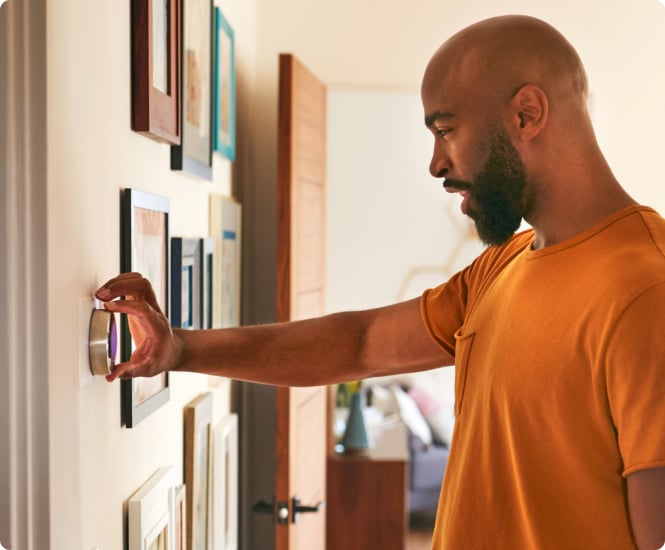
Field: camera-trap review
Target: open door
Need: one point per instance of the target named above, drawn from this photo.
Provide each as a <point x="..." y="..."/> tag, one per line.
<point x="301" y="444"/>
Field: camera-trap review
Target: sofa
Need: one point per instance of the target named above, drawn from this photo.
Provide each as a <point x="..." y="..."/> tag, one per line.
<point x="425" y="404"/>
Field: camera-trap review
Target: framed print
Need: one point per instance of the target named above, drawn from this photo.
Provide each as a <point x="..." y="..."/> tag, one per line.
<point x="194" y="154"/>
<point x="156" y="69"/>
<point x="185" y="283"/>
<point x="149" y="513"/>
<point x="224" y="484"/>
<point x="198" y="417"/>
<point x="224" y="97"/>
<point x="178" y="508"/>
<point x="225" y="220"/>
<point x="207" y="289"/>
<point x="145" y="249"/>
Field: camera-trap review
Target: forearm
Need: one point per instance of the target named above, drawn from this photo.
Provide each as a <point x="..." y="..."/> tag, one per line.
<point x="334" y="348"/>
<point x="303" y="353"/>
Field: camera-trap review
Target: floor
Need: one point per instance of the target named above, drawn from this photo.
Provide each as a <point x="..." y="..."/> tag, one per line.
<point x="420" y="532"/>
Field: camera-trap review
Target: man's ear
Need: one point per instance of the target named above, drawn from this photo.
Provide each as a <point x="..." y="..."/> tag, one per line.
<point x="530" y="110"/>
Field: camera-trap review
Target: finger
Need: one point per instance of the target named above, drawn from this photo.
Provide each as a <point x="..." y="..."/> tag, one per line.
<point x="133" y="287"/>
<point x="138" y="308"/>
<point x="109" y="290"/>
<point x="125" y="370"/>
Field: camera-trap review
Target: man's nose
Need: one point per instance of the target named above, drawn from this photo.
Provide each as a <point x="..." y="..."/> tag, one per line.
<point x="440" y="163"/>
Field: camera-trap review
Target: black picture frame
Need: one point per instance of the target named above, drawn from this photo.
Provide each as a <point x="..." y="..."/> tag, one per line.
<point x="144" y="249"/>
<point x="207" y="281"/>
<point x="194" y="153"/>
<point x="186" y="283"/>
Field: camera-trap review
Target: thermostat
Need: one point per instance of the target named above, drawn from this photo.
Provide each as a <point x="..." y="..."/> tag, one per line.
<point x="102" y="341"/>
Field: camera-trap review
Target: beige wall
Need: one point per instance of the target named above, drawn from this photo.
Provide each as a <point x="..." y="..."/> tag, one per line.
<point x="95" y="463"/>
<point x="92" y="154"/>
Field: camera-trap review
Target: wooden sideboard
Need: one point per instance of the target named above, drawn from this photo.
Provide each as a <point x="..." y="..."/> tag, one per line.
<point x="367" y="495"/>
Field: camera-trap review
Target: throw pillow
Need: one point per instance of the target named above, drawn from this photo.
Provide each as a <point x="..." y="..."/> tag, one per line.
<point x="440" y="419"/>
<point x="412" y="417"/>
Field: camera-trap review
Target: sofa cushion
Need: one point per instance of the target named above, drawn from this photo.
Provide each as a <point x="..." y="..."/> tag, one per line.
<point x="440" y="419"/>
<point x="411" y="416"/>
<point x="427" y="468"/>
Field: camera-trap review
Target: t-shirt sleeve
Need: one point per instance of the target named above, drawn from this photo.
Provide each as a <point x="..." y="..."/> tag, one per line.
<point x="635" y="377"/>
<point x="442" y="309"/>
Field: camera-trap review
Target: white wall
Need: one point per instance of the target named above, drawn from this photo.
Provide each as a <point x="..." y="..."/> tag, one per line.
<point x="95" y="463"/>
<point x="393" y="230"/>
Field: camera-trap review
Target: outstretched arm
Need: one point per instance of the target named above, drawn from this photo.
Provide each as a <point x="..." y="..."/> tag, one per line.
<point x="323" y="350"/>
<point x="646" y="501"/>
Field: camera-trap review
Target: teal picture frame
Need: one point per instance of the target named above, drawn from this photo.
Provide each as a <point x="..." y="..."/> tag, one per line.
<point x="224" y="94"/>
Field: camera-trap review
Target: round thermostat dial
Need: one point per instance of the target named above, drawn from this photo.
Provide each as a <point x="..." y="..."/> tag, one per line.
<point x="103" y="342"/>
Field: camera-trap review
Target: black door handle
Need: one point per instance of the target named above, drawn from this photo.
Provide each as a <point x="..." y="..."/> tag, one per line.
<point x="279" y="511"/>
<point x="263" y="507"/>
<point x="304" y="509"/>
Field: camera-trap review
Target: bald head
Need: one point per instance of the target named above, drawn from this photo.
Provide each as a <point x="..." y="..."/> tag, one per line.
<point x="494" y="58"/>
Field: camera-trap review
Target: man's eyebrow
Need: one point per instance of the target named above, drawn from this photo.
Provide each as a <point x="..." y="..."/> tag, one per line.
<point x="433" y="117"/>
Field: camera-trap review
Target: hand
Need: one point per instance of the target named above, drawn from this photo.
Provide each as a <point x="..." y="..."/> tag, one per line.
<point x="157" y="349"/>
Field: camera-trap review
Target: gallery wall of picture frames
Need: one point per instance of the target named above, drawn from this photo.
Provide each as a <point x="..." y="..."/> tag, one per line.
<point x="183" y="80"/>
<point x="196" y="280"/>
<point x="202" y="512"/>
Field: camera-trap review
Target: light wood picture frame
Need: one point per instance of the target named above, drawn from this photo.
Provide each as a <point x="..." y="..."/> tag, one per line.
<point x="198" y="417"/>
<point x="226" y="229"/>
<point x="224" y="484"/>
<point x="145" y="249"/>
<point x="149" y="513"/>
<point x="178" y="507"/>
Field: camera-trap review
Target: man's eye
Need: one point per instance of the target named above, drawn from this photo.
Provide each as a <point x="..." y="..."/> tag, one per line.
<point x="442" y="132"/>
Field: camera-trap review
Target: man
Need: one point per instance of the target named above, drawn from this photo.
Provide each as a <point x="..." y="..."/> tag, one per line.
<point x="557" y="333"/>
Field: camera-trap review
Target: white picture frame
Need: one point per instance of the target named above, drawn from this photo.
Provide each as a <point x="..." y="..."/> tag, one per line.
<point x="224" y="484"/>
<point x="149" y="511"/>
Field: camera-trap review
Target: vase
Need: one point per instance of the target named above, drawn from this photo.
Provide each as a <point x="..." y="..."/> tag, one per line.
<point x="355" y="435"/>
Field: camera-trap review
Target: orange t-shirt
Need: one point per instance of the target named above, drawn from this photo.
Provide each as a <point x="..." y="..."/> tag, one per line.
<point x="560" y="386"/>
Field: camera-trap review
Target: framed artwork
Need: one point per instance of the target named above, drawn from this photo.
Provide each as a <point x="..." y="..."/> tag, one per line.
<point x="178" y="508"/>
<point x="185" y="283"/>
<point x="207" y="289"/>
<point x="198" y="417"/>
<point x="224" y="97"/>
<point x="225" y="227"/>
<point x="149" y="513"/>
<point x="194" y="154"/>
<point x="145" y="249"/>
<point x="155" y="67"/>
<point x="224" y="484"/>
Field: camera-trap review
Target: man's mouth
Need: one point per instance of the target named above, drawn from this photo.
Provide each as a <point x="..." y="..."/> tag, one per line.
<point x="459" y="187"/>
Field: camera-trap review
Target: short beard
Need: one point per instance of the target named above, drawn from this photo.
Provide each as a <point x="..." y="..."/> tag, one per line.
<point x="497" y="192"/>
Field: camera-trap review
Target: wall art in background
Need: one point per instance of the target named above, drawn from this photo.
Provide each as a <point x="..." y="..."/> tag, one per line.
<point x="155" y="66"/>
<point x="194" y="154"/>
<point x="198" y="418"/>
<point x="224" y="484"/>
<point x="150" y="513"/>
<point x="145" y="249"/>
<point x="224" y="97"/>
<point x="225" y="228"/>
<point x="186" y="283"/>
<point x="207" y="288"/>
